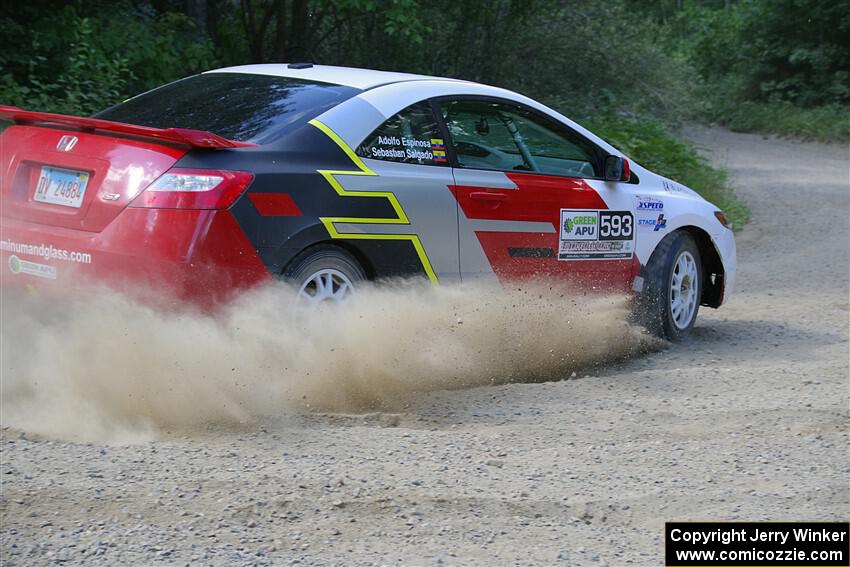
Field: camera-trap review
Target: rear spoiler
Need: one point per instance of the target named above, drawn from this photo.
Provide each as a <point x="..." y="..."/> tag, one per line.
<point x="182" y="136"/>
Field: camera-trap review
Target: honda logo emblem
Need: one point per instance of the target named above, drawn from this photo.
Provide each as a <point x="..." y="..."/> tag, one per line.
<point x="66" y="143"/>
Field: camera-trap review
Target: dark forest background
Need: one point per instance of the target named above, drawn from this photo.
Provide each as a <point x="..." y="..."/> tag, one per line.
<point x="630" y="69"/>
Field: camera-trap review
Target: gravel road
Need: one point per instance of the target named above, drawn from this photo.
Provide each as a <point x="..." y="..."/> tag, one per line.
<point x="747" y="420"/>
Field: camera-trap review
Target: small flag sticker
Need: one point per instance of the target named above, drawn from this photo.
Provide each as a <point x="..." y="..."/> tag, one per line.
<point x="438" y="148"/>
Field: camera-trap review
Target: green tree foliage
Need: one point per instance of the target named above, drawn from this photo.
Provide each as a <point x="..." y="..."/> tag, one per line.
<point x="673" y="59"/>
<point x="81" y="57"/>
<point x="802" y="49"/>
<point x="592" y="55"/>
<point x="770" y="50"/>
<point x="78" y="81"/>
<point x="302" y="30"/>
<point x="778" y="66"/>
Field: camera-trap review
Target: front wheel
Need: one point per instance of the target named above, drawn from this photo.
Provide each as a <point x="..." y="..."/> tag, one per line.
<point x="672" y="293"/>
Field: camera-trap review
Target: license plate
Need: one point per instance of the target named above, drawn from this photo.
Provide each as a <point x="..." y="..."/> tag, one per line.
<point x="64" y="187"/>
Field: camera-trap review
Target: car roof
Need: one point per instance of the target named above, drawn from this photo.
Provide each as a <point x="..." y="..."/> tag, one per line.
<point x="397" y="90"/>
<point x="362" y="79"/>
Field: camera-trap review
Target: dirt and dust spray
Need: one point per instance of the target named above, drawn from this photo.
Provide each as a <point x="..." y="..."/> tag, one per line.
<point x="107" y="368"/>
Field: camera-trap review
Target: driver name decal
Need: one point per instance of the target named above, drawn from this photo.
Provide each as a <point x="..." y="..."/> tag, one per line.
<point x="596" y="235"/>
<point x="405" y="148"/>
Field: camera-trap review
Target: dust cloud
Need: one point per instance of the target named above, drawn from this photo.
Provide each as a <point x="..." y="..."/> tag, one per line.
<point x="107" y="368"/>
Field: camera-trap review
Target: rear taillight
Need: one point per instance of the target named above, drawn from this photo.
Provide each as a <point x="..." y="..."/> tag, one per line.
<point x="194" y="189"/>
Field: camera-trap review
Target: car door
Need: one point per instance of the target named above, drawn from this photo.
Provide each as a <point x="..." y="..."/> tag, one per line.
<point x="532" y="204"/>
<point x="407" y="158"/>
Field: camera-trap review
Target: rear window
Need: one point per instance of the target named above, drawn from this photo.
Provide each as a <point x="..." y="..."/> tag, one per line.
<point x="247" y="108"/>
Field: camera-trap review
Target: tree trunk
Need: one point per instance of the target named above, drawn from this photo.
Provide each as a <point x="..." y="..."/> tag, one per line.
<point x="296" y="48"/>
<point x="281" y="35"/>
<point x="197" y="10"/>
<point x="256" y="34"/>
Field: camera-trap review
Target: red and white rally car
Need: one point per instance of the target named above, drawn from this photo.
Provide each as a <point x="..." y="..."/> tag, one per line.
<point x="329" y="176"/>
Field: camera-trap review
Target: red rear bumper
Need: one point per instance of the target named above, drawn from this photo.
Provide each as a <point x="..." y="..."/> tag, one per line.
<point x="201" y="256"/>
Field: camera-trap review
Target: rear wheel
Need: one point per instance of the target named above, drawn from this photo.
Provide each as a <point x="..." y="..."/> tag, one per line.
<point x="324" y="274"/>
<point x="672" y="292"/>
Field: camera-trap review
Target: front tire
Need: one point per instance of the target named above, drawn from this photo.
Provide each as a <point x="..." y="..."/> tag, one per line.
<point x="669" y="304"/>
<point x="323" y="274"/>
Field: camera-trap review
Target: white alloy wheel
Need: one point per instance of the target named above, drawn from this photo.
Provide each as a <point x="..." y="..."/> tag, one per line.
<point x="684" y="290"/>
<point x="325" y="285"/>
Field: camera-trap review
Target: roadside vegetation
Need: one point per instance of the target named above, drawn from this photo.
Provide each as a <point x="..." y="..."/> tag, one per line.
<point x="631" y="70"/>
<point x="827" y="123"/>
<point x="772" y="66"/>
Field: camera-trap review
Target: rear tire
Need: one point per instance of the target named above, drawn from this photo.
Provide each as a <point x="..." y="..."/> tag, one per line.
<point x="672" y="293"/>
<point x="324" y="273"/>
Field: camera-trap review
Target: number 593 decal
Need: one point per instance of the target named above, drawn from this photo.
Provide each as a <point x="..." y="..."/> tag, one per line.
<point x="615" y="225"/>
<point x="596" y="235"/>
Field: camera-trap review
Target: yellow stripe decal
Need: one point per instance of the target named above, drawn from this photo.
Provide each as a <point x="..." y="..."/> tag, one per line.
<point x="363" y="169"/>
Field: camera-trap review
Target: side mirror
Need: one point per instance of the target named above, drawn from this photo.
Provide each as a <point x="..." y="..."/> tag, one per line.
<point x="616" y="169"/>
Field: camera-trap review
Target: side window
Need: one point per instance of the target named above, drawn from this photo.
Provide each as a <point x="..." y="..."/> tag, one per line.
<point x="481" y="139"/>
<point x="411" y="136"/>
<point x="501" y="136"/>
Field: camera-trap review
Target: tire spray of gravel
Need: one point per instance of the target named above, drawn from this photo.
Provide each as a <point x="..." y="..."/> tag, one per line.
<point x="106" y="368"/>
